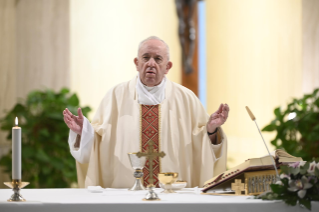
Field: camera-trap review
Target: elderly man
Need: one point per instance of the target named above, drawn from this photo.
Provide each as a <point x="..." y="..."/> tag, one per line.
<point x="149" y="107"/>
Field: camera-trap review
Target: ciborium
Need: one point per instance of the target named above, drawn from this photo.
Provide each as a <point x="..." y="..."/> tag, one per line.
<point x="138" y="165"/>
<point x="167" y="179"/>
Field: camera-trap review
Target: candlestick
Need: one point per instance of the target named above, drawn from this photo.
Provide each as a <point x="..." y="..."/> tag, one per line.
<point x="16" y="151"/>
<point x="16" y="184"/>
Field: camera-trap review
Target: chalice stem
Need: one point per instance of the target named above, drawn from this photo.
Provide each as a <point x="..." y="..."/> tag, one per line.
<point x="168" y="188"/>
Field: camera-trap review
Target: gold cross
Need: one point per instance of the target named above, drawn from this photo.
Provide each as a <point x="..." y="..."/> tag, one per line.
<point x="238" y="187"/>
<point x="150" y="154"/>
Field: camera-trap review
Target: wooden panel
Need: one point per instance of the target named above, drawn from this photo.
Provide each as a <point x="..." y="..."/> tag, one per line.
<point x="310" y="42"/>
<point x="191" y="80"/>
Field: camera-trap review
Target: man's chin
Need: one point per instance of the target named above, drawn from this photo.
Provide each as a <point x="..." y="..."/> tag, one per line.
<point x="150" y="83"/>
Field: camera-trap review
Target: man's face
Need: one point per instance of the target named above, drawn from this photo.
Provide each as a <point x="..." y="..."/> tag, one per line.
<point x="152" y="62"/>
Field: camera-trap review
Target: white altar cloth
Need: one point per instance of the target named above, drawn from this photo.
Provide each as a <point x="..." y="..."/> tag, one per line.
<point x="78" y="200"/>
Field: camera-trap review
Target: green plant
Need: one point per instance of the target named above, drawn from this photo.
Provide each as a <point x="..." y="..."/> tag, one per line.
<point x="46" y="158"/>
<point x="298" y="184"/>
<point x="297" y="127"/>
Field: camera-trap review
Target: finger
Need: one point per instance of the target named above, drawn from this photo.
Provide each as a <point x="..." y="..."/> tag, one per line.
<point x="220" y="108"/>
<point x="67" y="121"/>
<point x="68" y="112"/>
<point x="71" y="115"/>
<point x="80" y="114"/>
<point x="225" y="114"/>
<point x="226" y="107"/>
<point x="213" y="115"/>
<point x="65" y="115"/>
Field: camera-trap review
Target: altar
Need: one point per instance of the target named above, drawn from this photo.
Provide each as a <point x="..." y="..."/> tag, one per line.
<point x="121" y="200"/>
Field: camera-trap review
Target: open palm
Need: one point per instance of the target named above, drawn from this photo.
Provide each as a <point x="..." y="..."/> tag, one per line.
<point x="75" y="123"/>
<point x="218" y="118"/>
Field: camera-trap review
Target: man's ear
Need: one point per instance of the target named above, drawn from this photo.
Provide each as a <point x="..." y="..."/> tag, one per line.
<point x="136" y="61"/>
<point x="168" y="66"/>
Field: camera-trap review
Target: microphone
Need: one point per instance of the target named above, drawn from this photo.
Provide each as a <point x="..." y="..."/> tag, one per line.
<point x="272" y="158"/>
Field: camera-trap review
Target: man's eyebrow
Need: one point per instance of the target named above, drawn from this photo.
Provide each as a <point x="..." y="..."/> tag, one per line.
<point x="159" y="56"/>
<point x="147" y="54"/>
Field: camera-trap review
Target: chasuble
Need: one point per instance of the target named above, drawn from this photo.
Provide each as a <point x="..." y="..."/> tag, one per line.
<point x="121" y="125"/>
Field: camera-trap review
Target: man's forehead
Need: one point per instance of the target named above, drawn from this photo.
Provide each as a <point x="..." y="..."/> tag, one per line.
<point x="151" y="46"/>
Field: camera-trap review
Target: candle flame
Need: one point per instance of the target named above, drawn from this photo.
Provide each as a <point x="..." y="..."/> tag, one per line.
<point x="16" y="121"/>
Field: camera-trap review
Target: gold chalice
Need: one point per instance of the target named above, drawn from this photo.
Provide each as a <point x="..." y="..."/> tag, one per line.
<point x="167" y="179"/>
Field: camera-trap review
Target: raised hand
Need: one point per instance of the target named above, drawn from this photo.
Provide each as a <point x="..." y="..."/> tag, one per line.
<point x="218" y="118"/>
<point x="75" y="123"/>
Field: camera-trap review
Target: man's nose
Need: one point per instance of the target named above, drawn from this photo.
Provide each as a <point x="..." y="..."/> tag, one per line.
<point x="151" y="62"/>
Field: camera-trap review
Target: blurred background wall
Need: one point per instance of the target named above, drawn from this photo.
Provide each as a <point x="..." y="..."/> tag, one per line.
<point x="259" y="53"/>
<point x="256" y="60"/>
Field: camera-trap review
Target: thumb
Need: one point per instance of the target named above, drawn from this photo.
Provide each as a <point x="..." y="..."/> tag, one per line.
<point x="80" y="114"/>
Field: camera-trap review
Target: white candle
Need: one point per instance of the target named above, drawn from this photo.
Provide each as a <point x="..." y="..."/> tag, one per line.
<point x="16" y="151"/>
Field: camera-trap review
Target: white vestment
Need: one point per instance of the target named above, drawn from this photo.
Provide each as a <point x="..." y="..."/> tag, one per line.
<point x="102" y="156"/>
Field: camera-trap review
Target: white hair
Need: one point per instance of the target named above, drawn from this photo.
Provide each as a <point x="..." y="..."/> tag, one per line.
<point x="153" y="38"/>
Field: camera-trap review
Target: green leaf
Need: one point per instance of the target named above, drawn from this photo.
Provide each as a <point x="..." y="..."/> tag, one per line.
<point x="277" y="188"/>
<point x="64" y="91"/>
<point x="285" y="181"/>
<point x="294" y="171"/>
<point x="270" y="127"/>
<point x="278" y="114"/>
<point x="304" y="169"/>
<point x="305" y="203"/>
<point x="285" y="170"/>
<point x="86" y="110"/>
<point x="73" y="100"/>
<point x="292" y="200"/>
<point x="44" y="132"/>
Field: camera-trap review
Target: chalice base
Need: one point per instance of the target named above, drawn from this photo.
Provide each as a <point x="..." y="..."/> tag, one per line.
<point x="137" y="185"/>
<point x="168" y="189"/>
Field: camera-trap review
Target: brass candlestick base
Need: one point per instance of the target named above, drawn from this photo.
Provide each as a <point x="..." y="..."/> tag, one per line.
<point x="16" y="186"/>
<point x="151" y="195"/>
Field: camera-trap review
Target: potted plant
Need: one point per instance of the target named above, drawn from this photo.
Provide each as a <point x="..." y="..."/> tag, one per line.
<point x="297" y="127"/>
<point x="46" y="159"/>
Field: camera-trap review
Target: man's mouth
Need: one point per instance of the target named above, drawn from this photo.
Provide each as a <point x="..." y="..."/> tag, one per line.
<point x="150" y="72"/>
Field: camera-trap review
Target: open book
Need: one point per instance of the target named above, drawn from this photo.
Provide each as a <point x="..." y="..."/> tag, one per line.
<point x="279" y="155"/>
<point x="253" y="164"/>
<point x="284" y="157"/>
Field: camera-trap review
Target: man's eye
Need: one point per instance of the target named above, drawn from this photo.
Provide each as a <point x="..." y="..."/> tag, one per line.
<point x="146" y="58"/>
<point x="158" y="60"/>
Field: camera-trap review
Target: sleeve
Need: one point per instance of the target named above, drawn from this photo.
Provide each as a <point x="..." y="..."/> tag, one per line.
<point x="218" y="148"/>
<point x="82" y="153"/>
